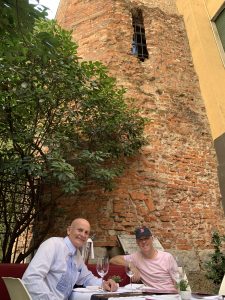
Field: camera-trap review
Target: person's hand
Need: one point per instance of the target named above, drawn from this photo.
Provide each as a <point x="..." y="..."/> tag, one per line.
<point x="110" y="285"/>
<point x="136" y="277"/>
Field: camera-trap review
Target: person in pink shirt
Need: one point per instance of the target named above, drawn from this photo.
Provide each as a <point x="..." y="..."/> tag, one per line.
<point x="156" y="269"/>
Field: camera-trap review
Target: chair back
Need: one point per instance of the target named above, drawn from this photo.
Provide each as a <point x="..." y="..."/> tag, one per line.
<point x="16" y="289"/>
<point x="222" y="287"/>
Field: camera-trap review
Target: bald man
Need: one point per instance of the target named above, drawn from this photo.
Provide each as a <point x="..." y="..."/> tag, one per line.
<point x="57" y="266"/>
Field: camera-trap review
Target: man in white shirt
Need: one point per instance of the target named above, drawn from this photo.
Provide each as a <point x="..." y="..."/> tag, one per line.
<point x="57" y="266"/>
<point x="156" y="269"/>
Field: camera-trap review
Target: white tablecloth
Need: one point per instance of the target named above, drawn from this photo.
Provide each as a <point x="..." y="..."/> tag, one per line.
<point x="81" y="296"/>
<point x="166" y="297"/>
<point x="85" y="294"/>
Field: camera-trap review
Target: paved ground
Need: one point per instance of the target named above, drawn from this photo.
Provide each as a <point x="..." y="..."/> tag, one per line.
<point x="199" y="283"/>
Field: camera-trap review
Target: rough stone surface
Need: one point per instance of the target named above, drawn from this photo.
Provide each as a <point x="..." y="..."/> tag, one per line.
<point x="172" y="184"/>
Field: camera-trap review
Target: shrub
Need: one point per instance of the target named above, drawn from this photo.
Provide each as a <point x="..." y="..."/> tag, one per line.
<point x="215" y="267"/>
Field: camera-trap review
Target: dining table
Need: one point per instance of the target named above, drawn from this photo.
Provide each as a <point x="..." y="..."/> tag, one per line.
<point x="123" y="293"/>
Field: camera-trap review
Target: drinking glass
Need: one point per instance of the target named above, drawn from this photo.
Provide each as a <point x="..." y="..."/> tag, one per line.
<point x="129" y="272"/>
<point x="102" y="267"/>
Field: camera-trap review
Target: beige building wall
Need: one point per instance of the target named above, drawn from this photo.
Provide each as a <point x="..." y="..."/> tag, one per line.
<point x="207" y="58"/>
<point x="209" y="62"/>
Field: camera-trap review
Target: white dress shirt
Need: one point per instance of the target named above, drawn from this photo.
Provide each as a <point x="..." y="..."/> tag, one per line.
<point x="47" y="276"/>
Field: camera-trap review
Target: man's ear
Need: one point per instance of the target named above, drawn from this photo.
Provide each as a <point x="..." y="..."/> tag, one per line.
<point x="68" y="230"/>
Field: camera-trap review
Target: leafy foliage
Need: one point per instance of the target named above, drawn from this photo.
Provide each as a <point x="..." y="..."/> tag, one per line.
<point x="183" y="285"/>
<point x="216" y="265"/>
<point x="62" y="122"/>
<point x="55" y="110"/>
<point x="117" y="278"/>
<point x="17" y="17"/>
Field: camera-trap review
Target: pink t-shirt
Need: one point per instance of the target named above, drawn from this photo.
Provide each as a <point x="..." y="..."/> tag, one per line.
<point x="157" y="273"/>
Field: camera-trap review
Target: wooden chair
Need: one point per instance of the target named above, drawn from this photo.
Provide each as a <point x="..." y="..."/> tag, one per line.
<point x="16" y="289"/>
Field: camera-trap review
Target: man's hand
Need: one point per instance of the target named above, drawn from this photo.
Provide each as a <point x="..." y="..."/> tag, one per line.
<point x="110" y="285"/>
<point x="136" y="277"/>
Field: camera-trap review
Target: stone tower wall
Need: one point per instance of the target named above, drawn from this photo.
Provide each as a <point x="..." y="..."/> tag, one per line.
<point x="172" y="185"/>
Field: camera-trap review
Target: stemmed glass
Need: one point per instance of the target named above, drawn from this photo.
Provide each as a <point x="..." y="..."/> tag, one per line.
<point x="102" y="267"/>
<point x="129" y="271"/>
<point x="179" y="273"/>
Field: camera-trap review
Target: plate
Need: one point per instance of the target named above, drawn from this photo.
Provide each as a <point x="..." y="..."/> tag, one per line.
<point x="134" y="286"/>
<point x="87" y="290"/>
<point x="93" y="287"/>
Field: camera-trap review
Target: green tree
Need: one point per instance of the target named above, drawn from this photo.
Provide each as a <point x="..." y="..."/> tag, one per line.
<point x="17" y="17"/>
<point x="63" y="121"/>
<point x="215" y="267"/>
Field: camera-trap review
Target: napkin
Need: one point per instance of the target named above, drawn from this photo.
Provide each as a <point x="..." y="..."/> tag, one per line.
<point x="88" y="247"/>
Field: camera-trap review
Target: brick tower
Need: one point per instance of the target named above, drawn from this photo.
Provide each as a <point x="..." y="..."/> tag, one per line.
<point x="171" y="186"/>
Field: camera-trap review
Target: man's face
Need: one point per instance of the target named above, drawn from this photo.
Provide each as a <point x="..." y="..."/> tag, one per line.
<point x="78" y="232"/>
<point x="145" y="244"/>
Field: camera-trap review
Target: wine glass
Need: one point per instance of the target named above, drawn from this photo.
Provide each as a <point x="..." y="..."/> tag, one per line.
<point x="129" y="271"/>
<point x="102" y="267"/>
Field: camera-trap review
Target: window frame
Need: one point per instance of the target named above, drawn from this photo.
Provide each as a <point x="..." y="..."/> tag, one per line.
<point x="139" y="43"/>
<point x="216" y="33"/>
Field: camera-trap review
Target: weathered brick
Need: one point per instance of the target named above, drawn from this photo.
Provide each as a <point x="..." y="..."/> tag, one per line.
<point x="172" y="184"/>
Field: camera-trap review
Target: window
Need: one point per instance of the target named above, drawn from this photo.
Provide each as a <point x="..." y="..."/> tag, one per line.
<point x="219" y="29"/>
<point x="220" y="25"/>
<point x="139" y="47"/>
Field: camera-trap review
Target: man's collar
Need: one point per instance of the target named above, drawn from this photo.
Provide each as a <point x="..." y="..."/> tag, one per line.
<point x="151" y="255"/>
<point x="70" y="246"/>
